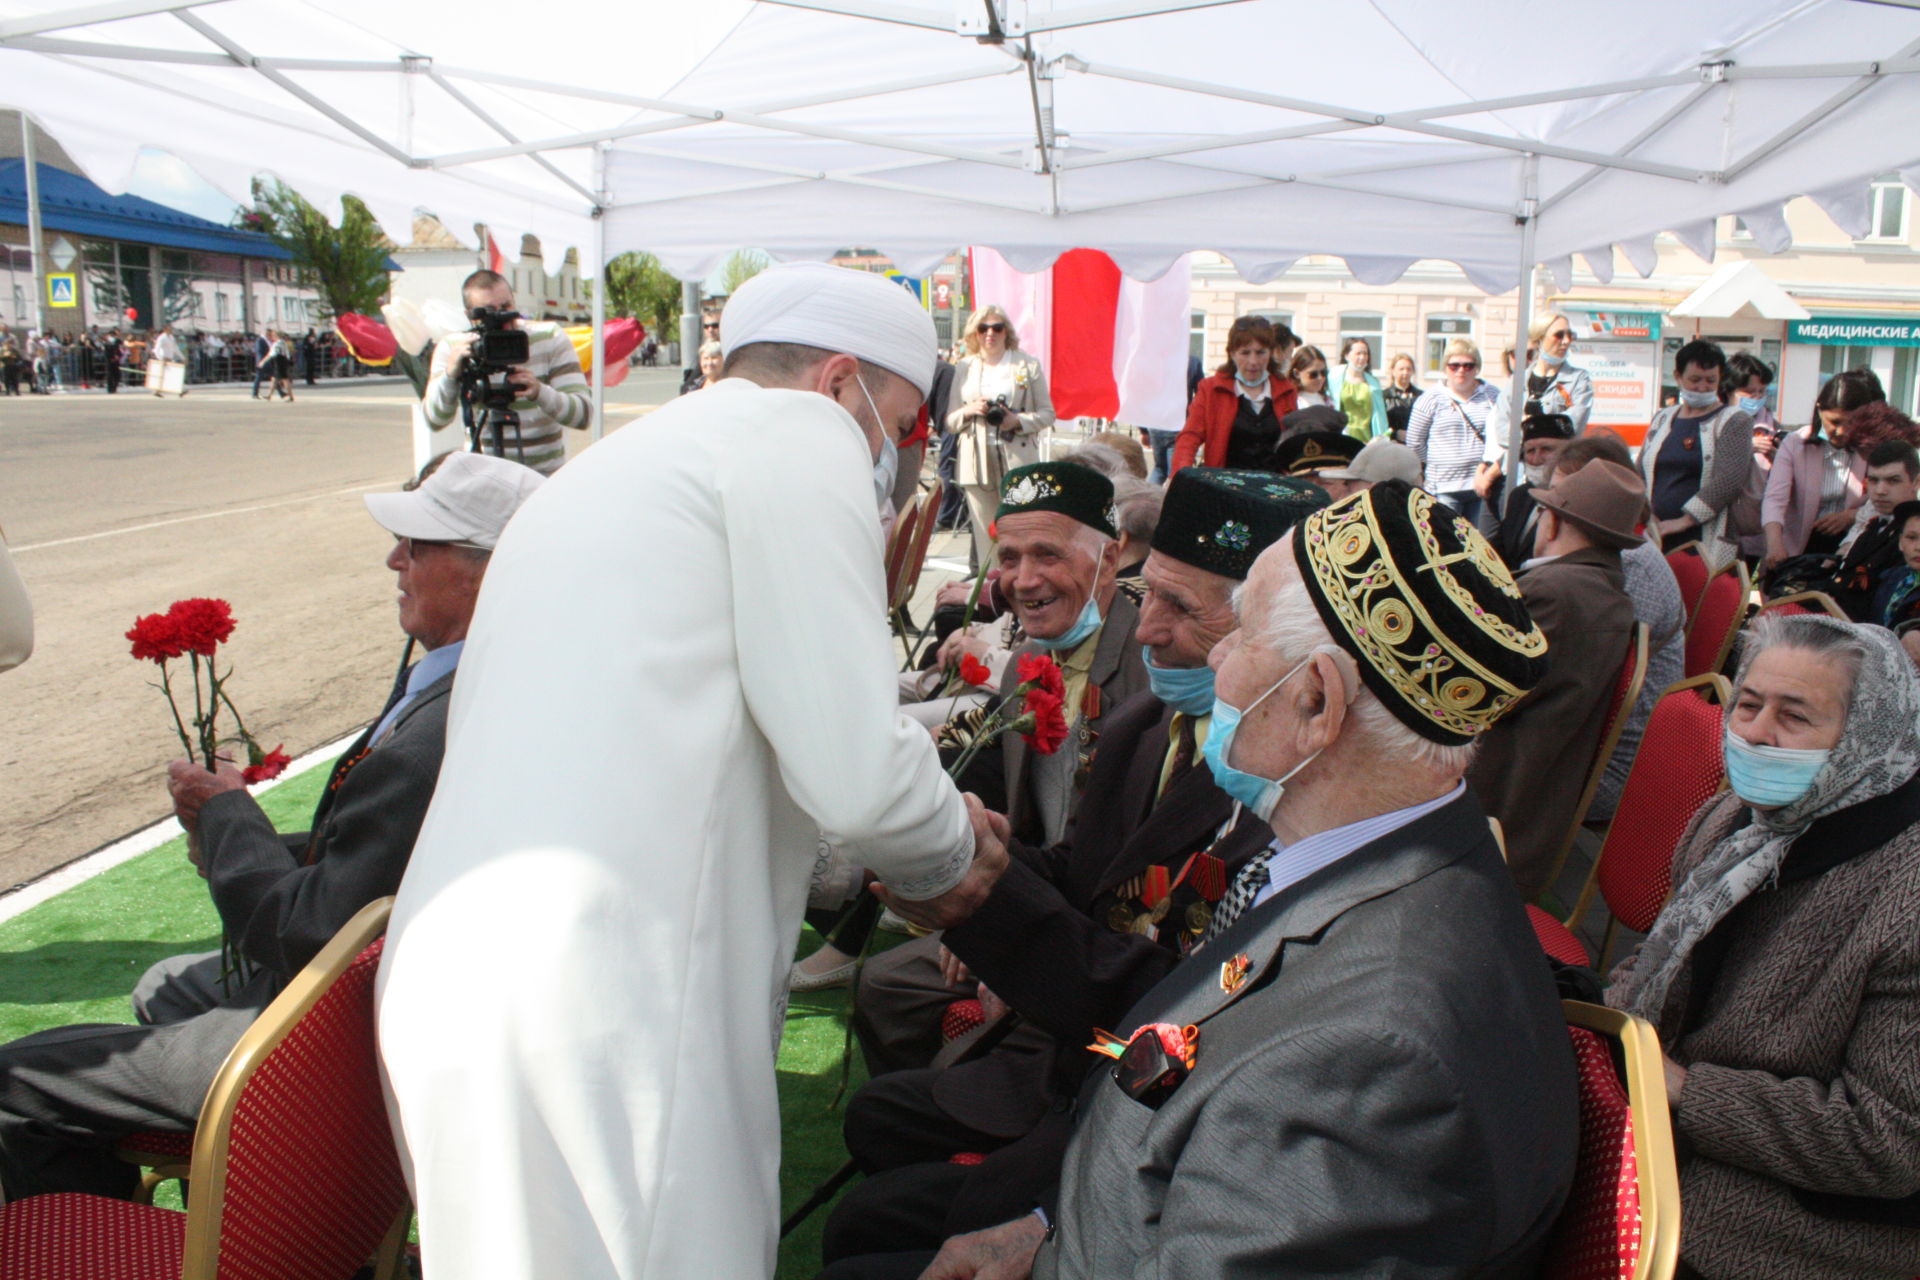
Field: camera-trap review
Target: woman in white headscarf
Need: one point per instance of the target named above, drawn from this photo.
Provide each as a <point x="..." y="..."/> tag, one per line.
<point x="1783" y="974"/>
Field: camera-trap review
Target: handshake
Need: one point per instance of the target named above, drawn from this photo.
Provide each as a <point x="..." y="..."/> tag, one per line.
<point x="990" y="835"/>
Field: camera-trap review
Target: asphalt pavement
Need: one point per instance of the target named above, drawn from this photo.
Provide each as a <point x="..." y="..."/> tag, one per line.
<point x="115" y="506"/>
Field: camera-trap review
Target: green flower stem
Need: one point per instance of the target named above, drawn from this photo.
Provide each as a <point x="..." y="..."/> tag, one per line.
<point x="179" y="726"/>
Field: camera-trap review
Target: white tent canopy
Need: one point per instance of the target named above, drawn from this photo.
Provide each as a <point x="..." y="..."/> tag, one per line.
<point x="1382" y="132"/>
<point x="1739" y="289"/>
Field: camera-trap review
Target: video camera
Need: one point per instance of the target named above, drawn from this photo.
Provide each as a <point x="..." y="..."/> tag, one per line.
<point x="500" y="349"/>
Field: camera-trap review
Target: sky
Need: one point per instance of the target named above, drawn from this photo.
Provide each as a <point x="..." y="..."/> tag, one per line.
<point x="165" y="179"/>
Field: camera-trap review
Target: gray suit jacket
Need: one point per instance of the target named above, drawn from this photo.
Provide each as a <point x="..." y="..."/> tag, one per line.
<point x="281" y="898"/>
<point x="1389" y="1092"/>
<point x="1040" y="789"/>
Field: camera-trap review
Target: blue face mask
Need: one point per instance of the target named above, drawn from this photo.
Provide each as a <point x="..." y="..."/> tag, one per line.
<point x="1700" y="401"/>
<point x="1552" y="361"/>
<point x="1750" y="405"/>
<point x="1085" y="625"/>
<point x="1182" y="688"/>
<point x="1770" y="777"/>
<point x="1259" y="795"/>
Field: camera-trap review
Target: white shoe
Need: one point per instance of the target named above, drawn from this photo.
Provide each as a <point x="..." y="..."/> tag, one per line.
<point x="840" y="975"/>
<point x="894" y="923"/>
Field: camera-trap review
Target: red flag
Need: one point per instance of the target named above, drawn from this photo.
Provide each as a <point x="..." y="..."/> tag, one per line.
<point x="496" y="261"/>
<point x="1086" y="293"/>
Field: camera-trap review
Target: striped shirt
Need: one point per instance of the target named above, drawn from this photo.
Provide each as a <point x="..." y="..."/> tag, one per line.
<point x="1293" y="863"/>
<point x="1451" y="435"/>
<point x="561" y="400"/>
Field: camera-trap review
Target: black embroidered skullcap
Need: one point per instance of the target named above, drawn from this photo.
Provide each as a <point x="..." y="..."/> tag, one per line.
<point x="1312" y="451"/>
<point x="1065" y="487"/>
<point x="1412" y="590"/>
<point x="1547" y="426"/>
<point x="1221" y="520"/>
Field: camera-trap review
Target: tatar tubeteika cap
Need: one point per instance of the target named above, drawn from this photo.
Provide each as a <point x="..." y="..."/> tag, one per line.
<point x="1221" y="520"/>
<point x="1414" y="592"/>
<point x="1065" y="487"/>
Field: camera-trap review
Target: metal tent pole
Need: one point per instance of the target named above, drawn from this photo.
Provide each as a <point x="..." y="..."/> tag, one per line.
<point x="600" y="293"/>
<point x="37" y="312"/>
<point x="689" y="324"/>
<point x="1517" y="389"/>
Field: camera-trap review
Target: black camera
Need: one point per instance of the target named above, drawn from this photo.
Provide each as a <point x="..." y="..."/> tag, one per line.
<point x="487" y="405"/>
<point x="998" y="411"/>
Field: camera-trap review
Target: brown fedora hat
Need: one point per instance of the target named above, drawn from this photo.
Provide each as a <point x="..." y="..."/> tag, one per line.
<point x="1604" y="499"/>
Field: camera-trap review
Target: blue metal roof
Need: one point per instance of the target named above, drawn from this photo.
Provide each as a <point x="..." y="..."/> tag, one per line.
<point x="70" y="203"/>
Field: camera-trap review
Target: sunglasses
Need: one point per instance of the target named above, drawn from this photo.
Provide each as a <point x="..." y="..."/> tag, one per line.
<point x="711" y="328"/>
<point x="410" y="547"/>
<point x="1462" y="364"/>
<point x="993" y="328"/>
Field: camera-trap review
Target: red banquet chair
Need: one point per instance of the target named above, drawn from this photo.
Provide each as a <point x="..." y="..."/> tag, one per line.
<point x="1622" y="1219"/>
<point x="1710" y="632"/>
<point x="1556" y="939"/>
<point x="295" y="1175"/>
<point x="1678" y="768"/>
<point x="1814" y="602"/>
<point x="1690" y="571"/>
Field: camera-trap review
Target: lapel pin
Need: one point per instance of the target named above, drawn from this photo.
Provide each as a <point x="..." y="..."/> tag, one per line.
<point x="1234" y="972"/>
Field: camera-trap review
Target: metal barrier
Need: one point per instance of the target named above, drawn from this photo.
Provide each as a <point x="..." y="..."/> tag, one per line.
<point x="79" y="367"/>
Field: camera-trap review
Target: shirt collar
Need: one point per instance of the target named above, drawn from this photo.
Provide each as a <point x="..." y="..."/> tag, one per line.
<point x="1295" y="862"/>
<point x="436" y="663"/>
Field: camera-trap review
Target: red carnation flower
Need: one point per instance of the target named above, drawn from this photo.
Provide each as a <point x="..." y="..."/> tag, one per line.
<point x="202" y="624"/>
<point x="155" y="638"/>
<point x="270" y="765"/>
<point x="1049" y="721"/>
<point x="1042" y="672"/>
<point x="974" y="671"/>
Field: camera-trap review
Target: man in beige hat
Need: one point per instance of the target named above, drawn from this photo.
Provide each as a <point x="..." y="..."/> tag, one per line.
<point x="1533" y="764"/>
<point x="1381" y="459"/>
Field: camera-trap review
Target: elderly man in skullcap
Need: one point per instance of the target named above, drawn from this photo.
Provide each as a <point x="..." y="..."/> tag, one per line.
<point x="1364" y="1069"/>
<point x="585" y="974"/>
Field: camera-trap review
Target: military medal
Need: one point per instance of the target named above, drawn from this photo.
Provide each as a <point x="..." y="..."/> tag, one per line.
<point x="1210" y="877"/>
<point x="1158" y="884"/>
<point x="1234" y="972"/>
<point x="1199" y="916"/>
<point x="1119" y="919"/>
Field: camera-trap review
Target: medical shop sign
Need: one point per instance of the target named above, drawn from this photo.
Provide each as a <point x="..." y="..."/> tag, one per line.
<point x="1856" y="331"/>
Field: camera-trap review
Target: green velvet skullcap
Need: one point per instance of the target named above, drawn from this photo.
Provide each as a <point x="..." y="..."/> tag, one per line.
<point x="1066" y="487"/>
<point x="1221" y="520"/>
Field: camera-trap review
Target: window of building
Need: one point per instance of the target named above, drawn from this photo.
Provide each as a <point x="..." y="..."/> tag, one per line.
<point x="1440" y="331"/>
<point x="1370" y="325"/>
<point x="1889" y="211"/>
<point x="220" y="307"/>
<point x="1276" y="319"/>
<point x="1197" y="335"/>
<point x="1906" y="364"/>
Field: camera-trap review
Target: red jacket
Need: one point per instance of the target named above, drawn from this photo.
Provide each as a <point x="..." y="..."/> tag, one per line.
<point x="1210" y="417"/>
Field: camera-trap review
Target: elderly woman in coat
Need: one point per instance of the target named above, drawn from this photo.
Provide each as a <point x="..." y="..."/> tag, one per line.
<point x="1002" y="409"/>
<point x="1784" y="972"/>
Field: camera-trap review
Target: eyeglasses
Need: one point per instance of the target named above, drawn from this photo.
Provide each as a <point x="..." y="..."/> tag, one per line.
<point x="993" y="328"/>
<point x="1313" y="373"/>
<point x="1557" y="334"/>
<point x="1463" y="364"/>
<point x="411" y="547"/>
<point x="711" y="328"/>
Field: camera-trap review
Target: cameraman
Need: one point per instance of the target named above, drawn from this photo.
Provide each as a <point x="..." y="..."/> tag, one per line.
<point x="1003" y="408"/>
<point x="550" y="391"/>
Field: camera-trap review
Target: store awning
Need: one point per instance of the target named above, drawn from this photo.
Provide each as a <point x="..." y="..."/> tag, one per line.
<point x="1739" y="289"/>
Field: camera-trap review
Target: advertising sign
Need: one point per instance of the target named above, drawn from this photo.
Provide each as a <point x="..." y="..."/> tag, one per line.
<point x="1626" y="384"/>
<point x="1856" y="331"/>
<point x="1597" y="326"/>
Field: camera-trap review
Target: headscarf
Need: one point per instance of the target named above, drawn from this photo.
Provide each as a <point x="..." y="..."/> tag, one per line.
<point x="1878" y="751"/>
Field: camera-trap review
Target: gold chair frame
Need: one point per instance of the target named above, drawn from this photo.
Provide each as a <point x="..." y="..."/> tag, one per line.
<point x="1816" y="601"/>
<point x="1657" y="1167"/>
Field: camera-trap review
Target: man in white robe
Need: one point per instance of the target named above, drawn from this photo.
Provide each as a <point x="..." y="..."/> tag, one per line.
<point x="678" y="678"/>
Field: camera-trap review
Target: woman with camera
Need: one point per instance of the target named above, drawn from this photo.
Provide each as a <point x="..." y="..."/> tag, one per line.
<point x="1003" y="408"/>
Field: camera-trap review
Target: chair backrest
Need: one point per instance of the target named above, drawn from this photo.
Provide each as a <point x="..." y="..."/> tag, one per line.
<point x="1723" y="607"/>
<point x="1622" y="1218"/>
<point x="899" y="545"/>
<point x="1678" y="768"/>
<point x="1620" y="700"/>
<point x="1690" y="571"/>
<point x="928" y="503"/>
<point x="295" y="1171"/>
<point x="1556" y="939"/>
<point x="1805" y="602"/>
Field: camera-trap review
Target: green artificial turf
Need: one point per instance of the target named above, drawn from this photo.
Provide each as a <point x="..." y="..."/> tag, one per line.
<point x="75" y="958"/>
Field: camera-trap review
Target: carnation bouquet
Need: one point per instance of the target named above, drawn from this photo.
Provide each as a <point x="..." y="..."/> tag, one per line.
<point x="195" y="629"/>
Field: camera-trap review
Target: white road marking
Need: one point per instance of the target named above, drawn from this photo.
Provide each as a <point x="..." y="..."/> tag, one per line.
<point x="203" y="515"/>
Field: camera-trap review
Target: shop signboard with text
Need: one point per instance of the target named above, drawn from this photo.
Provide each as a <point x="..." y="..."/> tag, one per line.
<point x="1626" y="384"/>
<point x="1855" y="331"/>
<point x="1614" y="326"/>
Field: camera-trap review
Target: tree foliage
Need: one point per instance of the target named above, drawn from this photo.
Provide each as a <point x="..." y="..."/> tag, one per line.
<point x="742" y="266"/>
<point x="640" y="288"/>
<point x="346" y="265"/>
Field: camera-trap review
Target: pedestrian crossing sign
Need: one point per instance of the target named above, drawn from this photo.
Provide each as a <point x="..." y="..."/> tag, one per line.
<point x="61" y="290"/>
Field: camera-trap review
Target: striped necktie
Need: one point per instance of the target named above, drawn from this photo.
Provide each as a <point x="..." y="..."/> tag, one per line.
<point x="1245" y="888"/>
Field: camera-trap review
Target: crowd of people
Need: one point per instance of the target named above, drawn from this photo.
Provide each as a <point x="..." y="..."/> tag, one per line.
<point x="36" y="362"/>
<point x="1257" y="992"/>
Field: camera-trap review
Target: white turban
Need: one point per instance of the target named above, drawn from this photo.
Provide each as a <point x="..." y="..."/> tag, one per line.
<point x="837" y="309"/>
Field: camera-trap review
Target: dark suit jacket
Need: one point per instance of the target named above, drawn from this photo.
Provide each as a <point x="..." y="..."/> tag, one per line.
<point x="1857" y="577"/>
<point x="1516" y="527"/>
<point x="1390" y="1091"/>
<point x="1533" y="763"/>
<point x="1041" y="940"/>
<point x="1040" y="792"/>
<point x="283" y="898"/>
